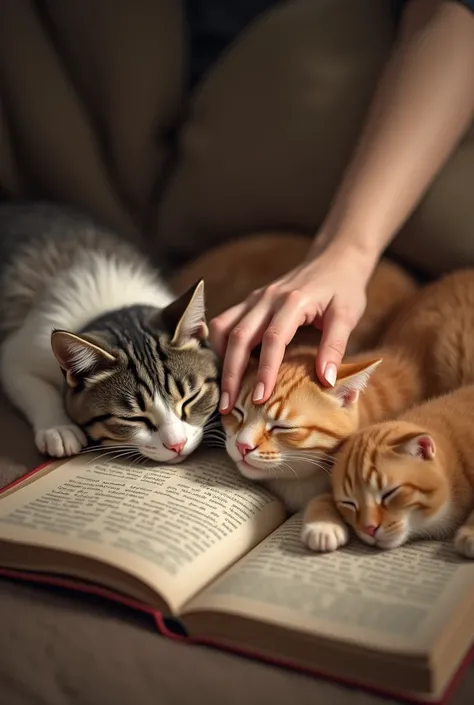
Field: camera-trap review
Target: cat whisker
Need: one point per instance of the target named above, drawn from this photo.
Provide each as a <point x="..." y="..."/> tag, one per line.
<point x="117" y="455"/>
<point x="134" y="459"/>
<point x="103" y="449"/>
<point x="213" y="437"/>
<point x="106" y="450"/>
<point x="291" y="468"/>
<point x="306" y="459"/>
<point x="214" y="424"/>
<point x="311" y="461"/>
<point x="214" y="434"/>
<point x="312" y="455"/>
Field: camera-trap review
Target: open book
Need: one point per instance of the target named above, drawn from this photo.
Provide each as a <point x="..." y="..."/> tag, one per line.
<point x="198" y="543"/>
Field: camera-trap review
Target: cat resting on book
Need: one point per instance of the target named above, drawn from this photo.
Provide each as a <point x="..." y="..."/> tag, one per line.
<point x="288" y="442"/>
<point x="94" y="346"/>
<point x="407" y="479"/>
<point x="202" y="544"/>
<point x="127" y="363"/>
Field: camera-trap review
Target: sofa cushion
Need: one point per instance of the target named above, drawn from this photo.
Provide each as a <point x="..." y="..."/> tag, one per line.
<point x="273" y="124"/>
<point x="88" y="92"/>
<point x="439" y="235"/>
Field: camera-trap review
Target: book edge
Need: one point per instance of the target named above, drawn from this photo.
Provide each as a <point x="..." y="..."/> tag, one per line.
<point x="26" y="476"/>
<point x="164" y="630"/>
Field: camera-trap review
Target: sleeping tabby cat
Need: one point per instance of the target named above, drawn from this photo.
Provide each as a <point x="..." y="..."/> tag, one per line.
<point x="411" y="478"/>
<point x="288" y="442"/>
<point x="438" y="330"/>
<point x="94" y="348"/>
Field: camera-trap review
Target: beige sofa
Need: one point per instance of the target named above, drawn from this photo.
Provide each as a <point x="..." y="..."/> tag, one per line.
<point x="94" y="111"/>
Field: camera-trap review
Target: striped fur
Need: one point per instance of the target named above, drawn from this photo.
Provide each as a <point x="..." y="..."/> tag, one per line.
<point x="290" y="442"/>
<point x="427" y="351"/>
<point x="413" y="477"/>
<point x="430" y="352"/>
<point x="295" y="461"/>
<point x="134" y="366"/>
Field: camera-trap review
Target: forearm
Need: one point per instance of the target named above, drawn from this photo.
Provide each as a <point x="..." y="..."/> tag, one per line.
<point x="421" y="110"/>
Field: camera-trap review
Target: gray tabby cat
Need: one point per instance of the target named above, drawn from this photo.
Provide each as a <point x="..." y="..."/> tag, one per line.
<point x="134" y="366"/>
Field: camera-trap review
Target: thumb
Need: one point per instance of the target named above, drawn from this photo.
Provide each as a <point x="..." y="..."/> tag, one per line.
<point x="337" y="327"/>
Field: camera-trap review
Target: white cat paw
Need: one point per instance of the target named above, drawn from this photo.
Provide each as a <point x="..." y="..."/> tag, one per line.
<point x="324" y="536"/>
<point x="60" y="441"/>
<point x="464" y="541"/>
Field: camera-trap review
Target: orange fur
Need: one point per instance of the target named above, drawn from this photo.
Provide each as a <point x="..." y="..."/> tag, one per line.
<point x="436" y="333"/>
<point x="321" y="418"/>
<point x="437" y="326"/>
<point x="410" y="478"/>
<point x="414" y="367"/>
<point x="233" y="270"/>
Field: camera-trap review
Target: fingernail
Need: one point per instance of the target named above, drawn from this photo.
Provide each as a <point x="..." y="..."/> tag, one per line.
<point x="258" y="392"/>
<point x="224" y="401"/>
<point x="330" y="373"/>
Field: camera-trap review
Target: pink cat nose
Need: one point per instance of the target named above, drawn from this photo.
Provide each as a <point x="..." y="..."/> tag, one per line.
<point x="177" y="447"/>
<point x="371" y="529"/>
<point x="244" y="448"/>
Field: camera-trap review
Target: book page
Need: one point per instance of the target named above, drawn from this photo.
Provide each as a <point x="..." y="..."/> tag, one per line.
<point x="175" y="527"/>
<point x="396" y="599"/>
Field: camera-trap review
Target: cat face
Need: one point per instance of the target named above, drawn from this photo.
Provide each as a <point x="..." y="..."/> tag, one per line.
<point x="291" y="435"/>
<point x="143" y="379"/>
<point x="389" y="486"/>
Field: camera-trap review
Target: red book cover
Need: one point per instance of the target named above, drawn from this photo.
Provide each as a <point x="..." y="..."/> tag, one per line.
<point x="164" y="627"/>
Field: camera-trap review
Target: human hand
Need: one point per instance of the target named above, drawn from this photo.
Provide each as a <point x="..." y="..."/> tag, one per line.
<point x="327" y="292"/>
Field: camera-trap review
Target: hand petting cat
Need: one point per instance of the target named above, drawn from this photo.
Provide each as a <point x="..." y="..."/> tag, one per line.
<point x="419" y="99"/>
<point x="326" y="291"/>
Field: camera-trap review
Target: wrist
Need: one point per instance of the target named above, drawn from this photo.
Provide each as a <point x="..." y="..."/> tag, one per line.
<point x="360" y="249"/>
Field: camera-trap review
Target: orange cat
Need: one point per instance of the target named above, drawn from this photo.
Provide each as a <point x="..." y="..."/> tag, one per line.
<point x="233" y="270"/>
<point x="405" y="479"/>
<point x="288" y="441"/>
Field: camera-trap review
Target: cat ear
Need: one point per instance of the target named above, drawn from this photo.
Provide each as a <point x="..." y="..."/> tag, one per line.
<point x="185" y="318"/>
<point x="78" y="357"/>
<point x="420" y="445"/>
<point x="352" y="380"/>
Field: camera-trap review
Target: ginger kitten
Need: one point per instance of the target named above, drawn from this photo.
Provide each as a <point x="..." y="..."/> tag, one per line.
<point x="407" y="479"/>
<point x="288" y="441"/>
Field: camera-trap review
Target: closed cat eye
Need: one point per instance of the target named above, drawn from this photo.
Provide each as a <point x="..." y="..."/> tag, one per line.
<point x="238" y="412"/>
<point x="347" y="503"/>
<point x="387" y="495"/>
<point x="278" y="427"/>
<point x="187" y="402"/>
<point x="142" y="420"/>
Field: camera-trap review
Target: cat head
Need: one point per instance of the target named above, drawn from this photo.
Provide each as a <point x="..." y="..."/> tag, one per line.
<point x="389" y="485"/>
<point x="293" y="433"/>
<point x="142" y="378"/>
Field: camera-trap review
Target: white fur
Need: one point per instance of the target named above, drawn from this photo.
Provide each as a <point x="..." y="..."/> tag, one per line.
<point x="171" y="430"/>
<point x="296" y="482"/>
<point x="324" y="536"/>
<point x="29" y="372"/>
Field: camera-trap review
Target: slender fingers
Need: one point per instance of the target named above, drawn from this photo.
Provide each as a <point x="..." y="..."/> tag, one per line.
<point x="242" y="339"/>
<point x="280" y="331"/>
<point x="338" y="324"/>
<point x="220" y="326"/>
